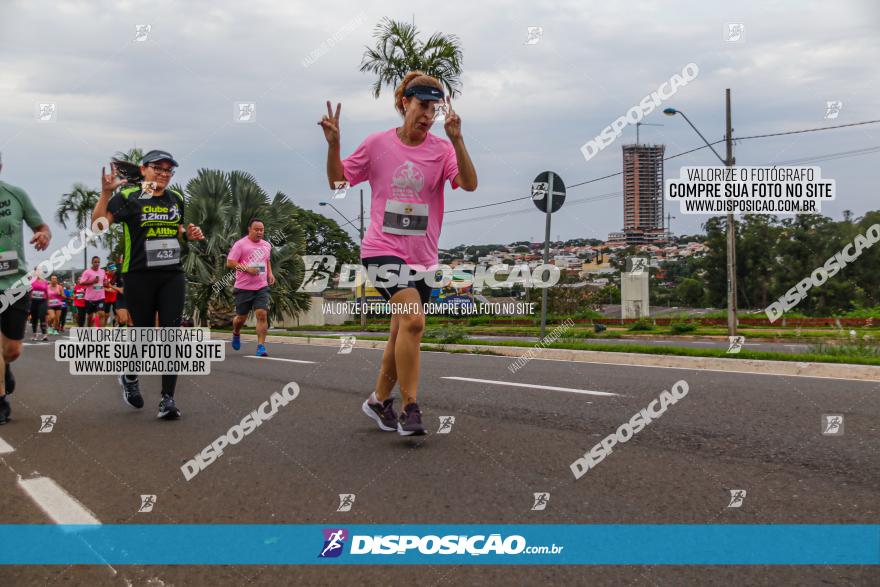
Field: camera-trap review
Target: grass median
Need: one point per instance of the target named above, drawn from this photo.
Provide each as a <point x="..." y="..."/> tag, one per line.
<point x="429" y="343"/>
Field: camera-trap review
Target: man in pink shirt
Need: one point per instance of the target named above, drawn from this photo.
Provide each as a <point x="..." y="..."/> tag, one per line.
<point x="249" y="256"/>
<point x="93" y="279"/>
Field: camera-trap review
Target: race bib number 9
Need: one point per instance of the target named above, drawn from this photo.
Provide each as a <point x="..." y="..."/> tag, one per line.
<point x="8" y="262"/>
<point x="405" y="218"/>
<point x="163" y="251"/>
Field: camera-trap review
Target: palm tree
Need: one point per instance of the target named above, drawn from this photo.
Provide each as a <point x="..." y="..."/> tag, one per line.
<point x="398" y="51"/>
<point x="133" y="155"/>
<point x="76" y="208"/>
<point x="222" y="204"/>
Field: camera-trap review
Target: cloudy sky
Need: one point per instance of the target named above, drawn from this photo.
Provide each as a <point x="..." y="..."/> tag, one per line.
<point x="524" y="107"/>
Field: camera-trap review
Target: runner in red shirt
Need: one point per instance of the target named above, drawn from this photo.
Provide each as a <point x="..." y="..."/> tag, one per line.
<point x="79" y="303"/>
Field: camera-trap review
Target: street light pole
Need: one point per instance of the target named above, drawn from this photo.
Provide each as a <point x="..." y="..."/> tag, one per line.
<point x="731" y="225"/>
<point x="731" y="228"/>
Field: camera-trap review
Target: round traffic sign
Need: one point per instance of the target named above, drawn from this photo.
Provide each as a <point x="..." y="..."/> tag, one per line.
<point x="545" y="184"/>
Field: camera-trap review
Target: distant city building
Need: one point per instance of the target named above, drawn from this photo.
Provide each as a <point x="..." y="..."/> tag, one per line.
<point x="642" y="196"/>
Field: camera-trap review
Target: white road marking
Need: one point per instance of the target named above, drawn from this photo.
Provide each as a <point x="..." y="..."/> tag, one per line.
<point x="534" y="386"/>
<point x="5" y="448"/>
<point x="59" y="505"/>
<point x="725" y="371"/>
<point x="280" y="359"/>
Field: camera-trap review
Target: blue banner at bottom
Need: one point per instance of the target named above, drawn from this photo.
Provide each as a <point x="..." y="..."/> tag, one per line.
<point x="290" y="544"/>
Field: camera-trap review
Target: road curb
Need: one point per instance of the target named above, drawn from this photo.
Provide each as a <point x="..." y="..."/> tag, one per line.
<point x="820" y="370"/>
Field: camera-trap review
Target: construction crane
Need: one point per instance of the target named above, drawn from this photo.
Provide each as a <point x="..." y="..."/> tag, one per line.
<point x="638" y="124"/>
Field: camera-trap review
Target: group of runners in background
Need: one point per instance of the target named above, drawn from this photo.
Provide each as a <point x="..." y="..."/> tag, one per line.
<point x="407" y="168"/>
<point x="86" y="302"/>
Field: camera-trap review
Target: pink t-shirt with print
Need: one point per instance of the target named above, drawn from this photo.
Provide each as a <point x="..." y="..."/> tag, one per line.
<point x="251" y="254"/>
<point x="94" y="291"/>
<point x="39" y="289"/>
<point x="406" y="212"/>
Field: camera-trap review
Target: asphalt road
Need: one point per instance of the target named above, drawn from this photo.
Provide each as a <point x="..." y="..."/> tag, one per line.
<point x="759" y="433"/>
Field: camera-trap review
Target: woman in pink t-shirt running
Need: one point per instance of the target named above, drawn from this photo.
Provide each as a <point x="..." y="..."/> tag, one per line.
<point x="407" y="168"/>
<point x="56" y="298"/>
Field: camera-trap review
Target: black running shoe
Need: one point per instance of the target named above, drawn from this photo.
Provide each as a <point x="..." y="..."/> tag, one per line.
<point x="5" y="410"/>
<point x="410" y="421"/>
<point x="9" y="380"/>
<point x="167" y="409"/>
<point x="131" y="392"/>
<point x="382" y="413"/>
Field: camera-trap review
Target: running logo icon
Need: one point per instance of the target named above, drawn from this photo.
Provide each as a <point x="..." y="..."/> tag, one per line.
<point x="735" y="32"/>
<point x="539" y="190"/>
<point x="47" y="113"/>
<point x="334" y="542"/>
<point x="346" y="343"/>
<point x="245" y="112"/>
<point x="832" y="425"/>
<point x="639" y="264"/>
<point x="832" y="109"/>
<point x="541" y="500"/>
<point x="47" y="423"/>
<point x="142" y="32"/>
<point x="534" y="35"/>
<point x="446" y="423"/>
<point x="737" y="496"/>
<point x="736" y="344"/>
<point x="346" y="500"/>
<point x="147" y="503"/>
<point x="340" y="189"/>
<point x="319" y="269"/>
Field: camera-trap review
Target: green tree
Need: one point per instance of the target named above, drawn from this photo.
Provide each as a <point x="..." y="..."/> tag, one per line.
<point x="221" y="204"/>
<point x="757" y="239"/>
<point x="75" y="208"/>
<point x="715" y="262"/>
<point x="689" y="293"/>
<point x="398" y="50"/>
<point x="324" y="236"/>
<point x="133" y="155"/>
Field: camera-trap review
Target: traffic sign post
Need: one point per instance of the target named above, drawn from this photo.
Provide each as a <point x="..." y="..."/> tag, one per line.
<point x="548" y="194"/>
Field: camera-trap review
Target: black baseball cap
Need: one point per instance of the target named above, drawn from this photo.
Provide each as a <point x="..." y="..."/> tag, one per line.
<point x="424" y="92"/>
<point x="154" y="155"/>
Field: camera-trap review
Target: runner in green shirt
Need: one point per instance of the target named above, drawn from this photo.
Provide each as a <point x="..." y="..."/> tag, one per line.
<point x="15" y="207"/>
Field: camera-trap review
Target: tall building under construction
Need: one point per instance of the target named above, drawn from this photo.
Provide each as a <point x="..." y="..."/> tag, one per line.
<point x="642" y="195"/>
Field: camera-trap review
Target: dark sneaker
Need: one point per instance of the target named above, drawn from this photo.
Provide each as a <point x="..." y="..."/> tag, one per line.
<point x="9" y="380"/>
<point x="410" y="421"/>
<point x="131" y="392"/>
<point x="236" y="342"/>
<point x="382" y="413"/>
<point x="167" y="409"/>
<point x="5" y="410"/>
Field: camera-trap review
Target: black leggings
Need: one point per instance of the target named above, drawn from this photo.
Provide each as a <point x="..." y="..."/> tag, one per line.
<point x="63" y="318"/>
<point x="38" y="315"/>
<point x="148" y="292"/>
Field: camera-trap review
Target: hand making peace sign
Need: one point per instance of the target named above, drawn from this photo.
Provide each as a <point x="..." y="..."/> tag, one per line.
<point x="330" y="124"/>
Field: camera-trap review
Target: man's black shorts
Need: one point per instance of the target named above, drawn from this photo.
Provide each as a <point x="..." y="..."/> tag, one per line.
<point x="388" y="290"/>
<point x="248" y="299"/>
<point x="13" y="320"/>
<point x="94" y="306"/>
